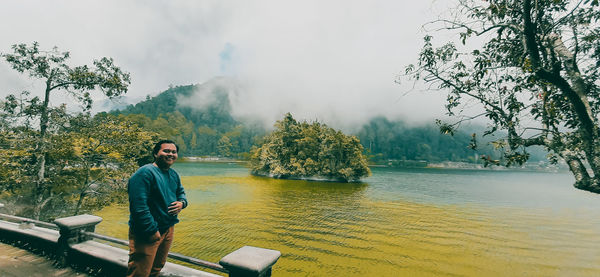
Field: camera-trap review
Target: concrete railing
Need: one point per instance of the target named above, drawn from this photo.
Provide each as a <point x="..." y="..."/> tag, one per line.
<point x="73" y="244"/>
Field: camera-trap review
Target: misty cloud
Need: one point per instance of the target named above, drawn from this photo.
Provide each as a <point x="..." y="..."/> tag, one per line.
<point x="334" y="61"/>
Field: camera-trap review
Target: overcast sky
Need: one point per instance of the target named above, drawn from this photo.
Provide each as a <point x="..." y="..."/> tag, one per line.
<point x="335" y="61"/>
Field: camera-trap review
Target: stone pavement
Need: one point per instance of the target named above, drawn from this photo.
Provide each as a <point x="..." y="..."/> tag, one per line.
<point x="17" y="262"/>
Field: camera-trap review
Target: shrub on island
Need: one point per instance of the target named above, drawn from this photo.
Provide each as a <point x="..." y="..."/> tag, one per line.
<point x="299" y="150"/>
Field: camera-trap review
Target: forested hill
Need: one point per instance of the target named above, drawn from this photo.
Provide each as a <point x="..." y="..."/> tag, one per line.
<point x="215" y="115"/>
<point x="206" y="129"/>
<point x="209" y="129"/>
<point x="386" y="139"/>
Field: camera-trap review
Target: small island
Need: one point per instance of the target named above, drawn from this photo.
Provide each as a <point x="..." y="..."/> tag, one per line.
<point x="309" y="151"/>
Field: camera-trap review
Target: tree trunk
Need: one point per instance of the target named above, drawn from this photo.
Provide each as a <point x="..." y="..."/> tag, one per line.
<point x="37" y="207"/>
<point x="574" y="88"/>
<point x="85" y="188"/>
<point x="79" y="202"/>
<point x="41" y="156"/>
<point x="583" y="181"/>
<point x="40" y="204"/>
<point x="580" y="103"/>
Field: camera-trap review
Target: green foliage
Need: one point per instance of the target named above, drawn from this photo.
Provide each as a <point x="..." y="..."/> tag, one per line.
<point x="302" y="150"/>
<point x="16" y="158"/>
<point x="100" y="154"/>
<point x="198" y="131"/>
<point x="387" y="140"/>
<point x="534" y="70"/>
<point x="202" y="131"/>
<point x="88" y="161"/>
<point x="51" y="159"/>
<point x="51" y="67"/>
<point x="224" y="146"/>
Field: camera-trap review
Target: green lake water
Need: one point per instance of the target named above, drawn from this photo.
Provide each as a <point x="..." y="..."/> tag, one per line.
<point x="399" y="222"/>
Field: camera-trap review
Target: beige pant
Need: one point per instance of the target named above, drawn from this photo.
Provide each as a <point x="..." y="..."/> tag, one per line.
<point x="147" y="258"/>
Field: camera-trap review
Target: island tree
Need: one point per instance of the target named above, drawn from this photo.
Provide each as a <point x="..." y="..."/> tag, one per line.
<point x="309" y="150"/>
<point x="57" y="76"/>
<point x="532" y="65"/>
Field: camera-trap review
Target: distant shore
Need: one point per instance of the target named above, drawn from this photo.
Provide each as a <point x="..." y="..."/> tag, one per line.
<point x="211" y="159"/>
<point x="532" y="166"/>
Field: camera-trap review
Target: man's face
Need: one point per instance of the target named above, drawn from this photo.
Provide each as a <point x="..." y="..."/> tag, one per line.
<point x="166" y="156"/>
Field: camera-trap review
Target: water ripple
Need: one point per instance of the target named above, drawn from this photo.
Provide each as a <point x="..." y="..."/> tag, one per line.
<point x="388" y="227"/>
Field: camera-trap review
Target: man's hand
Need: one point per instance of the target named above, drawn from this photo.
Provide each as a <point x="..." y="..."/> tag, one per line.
<point x="155" y="237"/>
<point x="175" y="208"/>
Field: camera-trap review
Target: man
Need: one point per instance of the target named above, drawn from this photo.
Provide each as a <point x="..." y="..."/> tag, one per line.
<point x="156" y="197"/>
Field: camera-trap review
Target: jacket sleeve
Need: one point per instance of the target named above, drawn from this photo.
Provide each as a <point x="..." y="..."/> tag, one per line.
<point x="138" y="189"/>
<point x="181" y="193"/>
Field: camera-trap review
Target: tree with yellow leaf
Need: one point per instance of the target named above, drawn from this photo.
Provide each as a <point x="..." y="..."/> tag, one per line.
<point x="36" y="137"/>
<point x="105" y="151"/>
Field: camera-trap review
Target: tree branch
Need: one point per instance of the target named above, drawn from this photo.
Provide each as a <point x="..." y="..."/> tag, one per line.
<point x="457" y="25"/>
<point x="461" y="91"/>
<point x="529" y="35"/>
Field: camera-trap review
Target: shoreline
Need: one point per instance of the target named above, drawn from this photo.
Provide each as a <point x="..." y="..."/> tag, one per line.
<point x="304" y="178"/>
<point x="211" y="160"/>
<point x="533" y="167"/>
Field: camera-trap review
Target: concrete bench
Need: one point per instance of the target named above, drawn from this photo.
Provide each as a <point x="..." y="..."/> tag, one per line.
<point x="115" y="259"/>
<point x="247" y="261"/>
<point x="73" y="245"/>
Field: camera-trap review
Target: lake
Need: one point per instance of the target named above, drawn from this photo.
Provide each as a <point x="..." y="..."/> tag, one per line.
<point x="399" y="222"/>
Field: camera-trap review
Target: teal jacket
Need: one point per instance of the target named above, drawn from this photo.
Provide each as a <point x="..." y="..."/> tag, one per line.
<point x="151" y="191"/>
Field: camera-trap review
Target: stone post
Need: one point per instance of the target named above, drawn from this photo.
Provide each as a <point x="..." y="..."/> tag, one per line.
<point x="250" y="261"/>
<point x="71" y="233"/>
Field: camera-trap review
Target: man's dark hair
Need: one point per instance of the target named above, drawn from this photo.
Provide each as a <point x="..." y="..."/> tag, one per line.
<point x="160" y="143"/>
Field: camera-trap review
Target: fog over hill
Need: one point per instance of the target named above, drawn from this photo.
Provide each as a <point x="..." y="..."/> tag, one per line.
<point x="249" y="104"/>
<point x="219" y="117"/>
